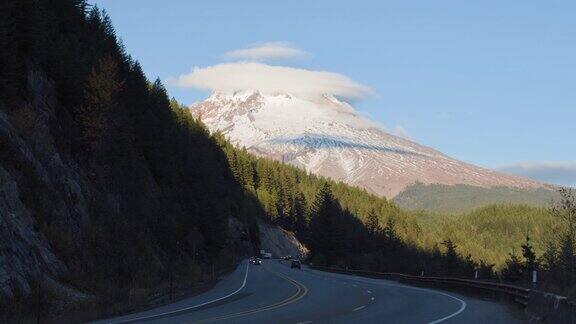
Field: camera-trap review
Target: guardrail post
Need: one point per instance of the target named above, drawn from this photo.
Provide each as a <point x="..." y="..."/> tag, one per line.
<point x="476" y="274"/>
<point x="534" y="278"/>
<point x="422" y="273"/>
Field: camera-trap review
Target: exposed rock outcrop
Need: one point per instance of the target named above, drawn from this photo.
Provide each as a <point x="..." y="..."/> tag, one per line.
<point x="24" y="252"/>
<point x="29" y="159"/>
<point x="279" y="241"/>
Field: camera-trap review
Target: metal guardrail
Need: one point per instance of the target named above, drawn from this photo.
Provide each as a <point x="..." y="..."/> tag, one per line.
<point x="519" y="295"/>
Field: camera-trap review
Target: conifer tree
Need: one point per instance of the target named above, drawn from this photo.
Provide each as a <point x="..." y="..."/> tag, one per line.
<point x="372" y="223"/>
<point x="300" y="223"/>
<point x="390" y="233"/>
<point x="325" y="230"/>
<point x="513" y="269"/>
<point x="529" y="255"/>
<point x="101" y="87"/>
<point x="450" y="257"/>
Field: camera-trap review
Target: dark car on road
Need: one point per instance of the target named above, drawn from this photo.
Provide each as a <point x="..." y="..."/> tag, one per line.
<point x="296" y="264"/>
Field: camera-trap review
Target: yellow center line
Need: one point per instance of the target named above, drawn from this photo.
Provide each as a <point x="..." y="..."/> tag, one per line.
<point x="301" y="291"/>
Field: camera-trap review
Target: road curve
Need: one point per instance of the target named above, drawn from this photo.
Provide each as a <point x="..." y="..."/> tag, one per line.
<point x="272" y="292"/>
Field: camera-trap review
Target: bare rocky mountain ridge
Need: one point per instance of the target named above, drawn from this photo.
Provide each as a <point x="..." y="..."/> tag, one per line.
<point x="327" y="137"/>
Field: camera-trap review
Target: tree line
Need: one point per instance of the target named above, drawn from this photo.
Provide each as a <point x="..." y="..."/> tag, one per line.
<point x="340" y="224"/>
<point x="556" y="263"/>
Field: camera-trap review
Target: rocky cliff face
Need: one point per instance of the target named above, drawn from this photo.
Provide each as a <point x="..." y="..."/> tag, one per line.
<point x="326" y="136"/>
<point x="25" y="253"/>
<point x="29" y="161"/>
<point x="280" y="242"/>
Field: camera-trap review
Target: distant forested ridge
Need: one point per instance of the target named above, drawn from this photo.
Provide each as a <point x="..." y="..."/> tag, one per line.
<point x="464" y="198"/>
<point x="489" y="233"/>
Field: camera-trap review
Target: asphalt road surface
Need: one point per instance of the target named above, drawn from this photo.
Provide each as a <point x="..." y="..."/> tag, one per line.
<point x="274" y="293"/>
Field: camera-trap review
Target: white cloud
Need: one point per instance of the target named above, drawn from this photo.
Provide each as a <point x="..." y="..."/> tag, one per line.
<point x="401" y="132"/>
<point x="557" y="172"/>
<point x="265" y="51"/>
<point x="230" y="77"/>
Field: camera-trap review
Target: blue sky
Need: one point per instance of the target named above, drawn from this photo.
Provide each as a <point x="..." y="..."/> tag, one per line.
<point x="487" y="82"/>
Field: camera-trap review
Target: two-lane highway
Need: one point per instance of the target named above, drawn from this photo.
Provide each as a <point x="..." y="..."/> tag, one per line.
<point x="274" y="293"/>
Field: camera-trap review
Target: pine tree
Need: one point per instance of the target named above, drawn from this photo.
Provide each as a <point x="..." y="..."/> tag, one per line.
<point x="326" y="234"/>
<point x="247" y="172"/>
<point x="567" y="261"/>
<point x="101" y="87"/>
<point x="561" y="254"/>
<point x="300" y="226"/>
<point x="565" y="211"/>
<point x="372" y="223"/>
<point x="451" y="262"/>
<point x="513" y="268"/>
<point x="390" y="233"/>
<point x="529" y="255"/>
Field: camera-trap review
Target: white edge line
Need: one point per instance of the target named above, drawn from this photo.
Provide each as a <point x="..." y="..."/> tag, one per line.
<point x="462" y="307"/>
<point x="462" y="303"/>
<point x="358" y="308"/>
<point x="190" y="307"/>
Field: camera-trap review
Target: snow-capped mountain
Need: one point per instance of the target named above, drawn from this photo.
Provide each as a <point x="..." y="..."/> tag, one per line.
<point x="324" y="135"/>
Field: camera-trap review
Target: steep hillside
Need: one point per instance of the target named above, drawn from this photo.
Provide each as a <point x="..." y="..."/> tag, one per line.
<point x="326" y="136"/>
<point x="106" y="186"/>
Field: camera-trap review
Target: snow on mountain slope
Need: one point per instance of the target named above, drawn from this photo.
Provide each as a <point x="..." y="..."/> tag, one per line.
<point x="326" y="136"/>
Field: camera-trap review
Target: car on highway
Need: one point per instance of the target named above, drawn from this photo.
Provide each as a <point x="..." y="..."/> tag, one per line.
<point x="296" y="264"/>
<point x="257" y="262"/>
<point x="288" y="257"/>
<point x="266" y="255"/>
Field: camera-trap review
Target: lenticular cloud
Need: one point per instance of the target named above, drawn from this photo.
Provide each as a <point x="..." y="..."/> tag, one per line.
<point x="229" y="77"/>
<point x="266" y="51"/>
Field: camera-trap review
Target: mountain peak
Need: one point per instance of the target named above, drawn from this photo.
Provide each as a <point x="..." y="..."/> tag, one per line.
<point x="326" y="136"/>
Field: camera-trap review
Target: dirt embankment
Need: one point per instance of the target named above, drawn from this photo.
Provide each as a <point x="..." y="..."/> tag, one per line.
<point x="280" y="242"/>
